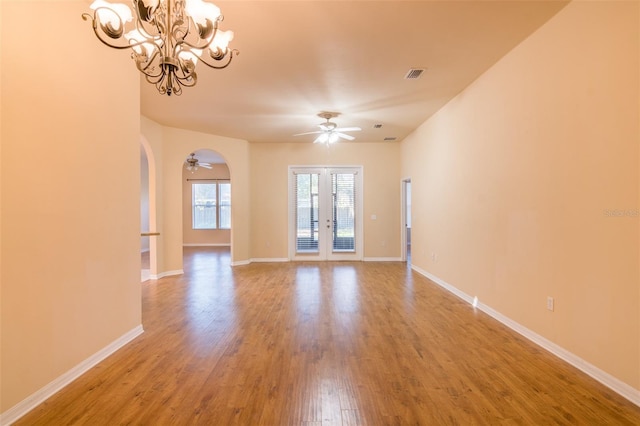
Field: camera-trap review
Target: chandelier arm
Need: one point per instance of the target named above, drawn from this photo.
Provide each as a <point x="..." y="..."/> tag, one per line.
<point x="229" y="55"/>
<point x="169" y="81"/>
<point x="187" y="81"/>
<point x="151" y="63"/>
<point x="179" y="32"/>
<point x="148" y="41"/>
<point x="162" y="89"/>
<point x="164" y="85"/>
<point x="177" y="36"/>
<point x="207" y="41"/>
<point x="100" y="34"/>
<point x="142" y="29"/>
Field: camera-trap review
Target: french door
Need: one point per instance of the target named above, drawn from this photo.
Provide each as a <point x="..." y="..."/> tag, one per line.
<point x="325" y="213"/>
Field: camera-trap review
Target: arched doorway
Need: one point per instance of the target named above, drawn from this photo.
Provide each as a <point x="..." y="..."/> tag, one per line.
<point x="148" y="231"/>
<point x="206" y="200"/>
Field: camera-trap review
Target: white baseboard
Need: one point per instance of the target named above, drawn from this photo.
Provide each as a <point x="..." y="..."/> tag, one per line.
<point x="451" y="289"/>
<point x="207" y="245"/>
<point x="166" y="274"/>
<point x="260" y="260"/>
<point x="285" y="259"/>
<point x="35" y="399"/>
<point x="269" y="260"/>
<point x="613" y="383"/>
<point x="382" y="259"/>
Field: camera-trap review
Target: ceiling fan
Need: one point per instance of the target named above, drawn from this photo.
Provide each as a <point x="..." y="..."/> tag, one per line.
<point x="192" y="163"/>
<point x="330" y="132"/>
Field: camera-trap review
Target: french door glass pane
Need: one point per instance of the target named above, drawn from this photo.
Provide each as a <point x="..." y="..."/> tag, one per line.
<point x="307" y="211"/>
<point x="343" y="211"/>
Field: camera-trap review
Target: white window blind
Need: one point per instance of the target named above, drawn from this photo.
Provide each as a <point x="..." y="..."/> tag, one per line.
<point x="343" y="191"/>
<point x="306" y="212"/>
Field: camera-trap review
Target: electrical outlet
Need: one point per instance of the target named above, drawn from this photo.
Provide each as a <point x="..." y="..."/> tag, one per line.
<point x="433" y="257"/>
<point x="550" y="303"/>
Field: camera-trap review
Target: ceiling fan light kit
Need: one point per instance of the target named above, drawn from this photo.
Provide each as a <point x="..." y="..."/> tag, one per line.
<point x="192" y="163"/>
<point x="167" y="38"/>
<point x="329" y="132"/>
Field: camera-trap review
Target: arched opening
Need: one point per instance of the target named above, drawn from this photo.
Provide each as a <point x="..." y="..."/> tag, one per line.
<point x="206" y="202"/>
<point x="148" y="224"/>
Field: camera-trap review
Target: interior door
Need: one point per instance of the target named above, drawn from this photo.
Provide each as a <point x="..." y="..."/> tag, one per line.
<point x="325" y="221"/>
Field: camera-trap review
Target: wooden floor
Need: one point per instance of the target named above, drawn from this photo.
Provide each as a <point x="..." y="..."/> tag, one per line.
<point x="324" y="344"/>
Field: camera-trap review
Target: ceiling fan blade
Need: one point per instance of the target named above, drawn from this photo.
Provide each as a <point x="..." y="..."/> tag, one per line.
<point x="348" y="129"/>
<point x="343" y="136"/>
<point x="204" y="164"/>
<point x="309" y="133"/>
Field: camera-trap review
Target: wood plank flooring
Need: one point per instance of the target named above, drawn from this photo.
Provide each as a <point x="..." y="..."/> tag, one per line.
<point x="324" y="344"/>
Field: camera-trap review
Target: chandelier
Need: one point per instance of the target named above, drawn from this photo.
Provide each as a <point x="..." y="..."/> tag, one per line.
<point x="167" y="38"/>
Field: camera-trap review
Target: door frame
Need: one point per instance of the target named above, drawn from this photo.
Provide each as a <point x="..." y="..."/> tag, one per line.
<point x="403" y="216"/>
<point x="328" y="254"/>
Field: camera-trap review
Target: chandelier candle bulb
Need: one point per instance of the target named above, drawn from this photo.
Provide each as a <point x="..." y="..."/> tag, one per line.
<point x="167" y="38"/>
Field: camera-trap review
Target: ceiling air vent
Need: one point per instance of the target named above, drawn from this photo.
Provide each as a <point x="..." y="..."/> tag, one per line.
<point x="414" y="73"/>
<point x="390" y="138"/>
<point x="377" y="126"/>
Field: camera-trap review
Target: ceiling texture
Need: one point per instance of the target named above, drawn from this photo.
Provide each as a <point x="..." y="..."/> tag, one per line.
<point x="299" y="58"/>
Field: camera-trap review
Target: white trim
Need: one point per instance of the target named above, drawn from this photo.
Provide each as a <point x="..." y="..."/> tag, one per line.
<point x="269" y="260"/>
<point x="166" y="274"/>
<point x="462" y="295"/>
<point x="382" y="259"/>
<point x="241" y="263"/>
<point x="207" y="245"/>
<point x="145" y="274"/>
<point x="146" y="250"/>
<point x="613" y="383"/>
<point x="37" y="398"/>
<point x="403" y="217"/>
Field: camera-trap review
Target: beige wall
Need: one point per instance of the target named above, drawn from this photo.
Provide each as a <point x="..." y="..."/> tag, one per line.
<point x="269" y="193"/>
<point x="70" y="195"/>
<point x="514" y="182"/>
<point x="192" y="236"/>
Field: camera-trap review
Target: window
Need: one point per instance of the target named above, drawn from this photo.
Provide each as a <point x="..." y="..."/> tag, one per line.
<point x="224" y="189"/>
<point x="211" y="205"/>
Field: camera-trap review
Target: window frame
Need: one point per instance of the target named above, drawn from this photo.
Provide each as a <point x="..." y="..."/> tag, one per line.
<point x="218" y="204"/>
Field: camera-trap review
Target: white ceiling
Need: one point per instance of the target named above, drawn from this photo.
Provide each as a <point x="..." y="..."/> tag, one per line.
<point x="298" y="58"/>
